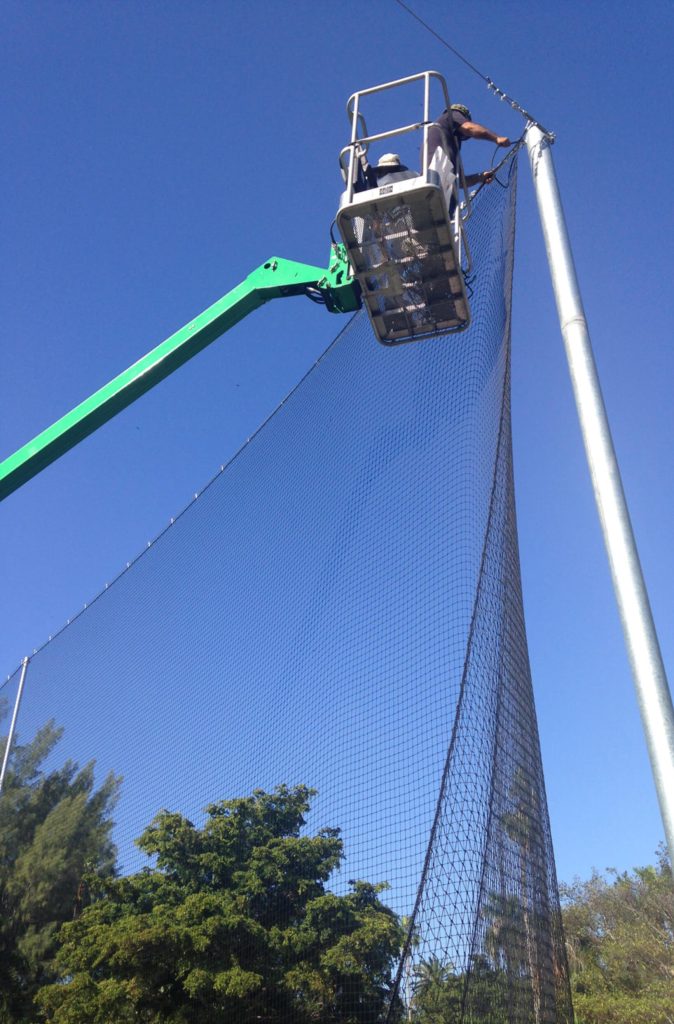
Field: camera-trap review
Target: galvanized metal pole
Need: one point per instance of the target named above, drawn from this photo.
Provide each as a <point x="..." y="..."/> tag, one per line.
<point x="15" y="715"/>
<point x="650" y="680"/>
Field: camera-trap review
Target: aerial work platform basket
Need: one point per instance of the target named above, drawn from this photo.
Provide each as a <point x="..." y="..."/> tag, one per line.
<point x="405" y="239"/>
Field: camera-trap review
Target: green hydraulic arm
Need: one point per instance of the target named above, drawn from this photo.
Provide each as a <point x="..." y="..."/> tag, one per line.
<point x="275" y="279"/>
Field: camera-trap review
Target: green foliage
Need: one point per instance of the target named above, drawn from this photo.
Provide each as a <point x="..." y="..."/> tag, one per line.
<point x="443" y="995"/>
<point x="54" y="828"/>
<point x="234" y="923"/>
<point x="620" y="939"/>
<point x="437" y="993"/>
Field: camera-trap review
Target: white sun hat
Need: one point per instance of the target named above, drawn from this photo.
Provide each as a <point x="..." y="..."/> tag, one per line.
<point x="388" y="160"/>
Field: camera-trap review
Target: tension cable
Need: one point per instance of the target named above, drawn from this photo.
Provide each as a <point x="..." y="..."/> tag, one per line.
<point x="491" y="85"/>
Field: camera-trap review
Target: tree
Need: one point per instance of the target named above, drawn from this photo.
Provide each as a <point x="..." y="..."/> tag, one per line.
<point x="620" y="940"/>
<point x="406" y="968"/>
<point x="522" y="825"/>
<point x="506" y="952"/>
<point x="54" y="827"/>
<point x="486" y="993"/>
<point x="437" y="993"/>
<point x="234" y="923"/>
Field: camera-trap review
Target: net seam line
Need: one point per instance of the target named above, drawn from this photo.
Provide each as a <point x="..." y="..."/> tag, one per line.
<point x="499" y="697"/>
<point x="554" y="907"/>
<point x="450" y="750"/>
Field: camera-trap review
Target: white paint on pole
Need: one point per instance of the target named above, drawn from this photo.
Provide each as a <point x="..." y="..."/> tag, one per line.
<point x="650" y="679"/>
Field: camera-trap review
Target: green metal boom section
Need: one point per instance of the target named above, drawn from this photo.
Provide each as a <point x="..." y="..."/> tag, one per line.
<point x="275" y="279"/>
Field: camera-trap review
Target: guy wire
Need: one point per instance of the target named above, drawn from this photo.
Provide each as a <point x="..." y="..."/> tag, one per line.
<point x="491" y="85"/>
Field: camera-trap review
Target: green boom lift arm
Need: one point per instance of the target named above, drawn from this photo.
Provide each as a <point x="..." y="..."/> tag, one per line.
<point x="275" y="279"/>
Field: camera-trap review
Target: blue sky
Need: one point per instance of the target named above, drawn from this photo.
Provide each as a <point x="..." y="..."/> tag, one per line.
<point x="155" y="153"/>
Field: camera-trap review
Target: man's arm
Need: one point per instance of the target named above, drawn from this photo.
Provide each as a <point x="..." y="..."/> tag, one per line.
<point x="471" y="130"/>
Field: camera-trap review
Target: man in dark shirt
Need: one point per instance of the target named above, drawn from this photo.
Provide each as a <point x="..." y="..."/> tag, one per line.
<point x="453" y="127"/>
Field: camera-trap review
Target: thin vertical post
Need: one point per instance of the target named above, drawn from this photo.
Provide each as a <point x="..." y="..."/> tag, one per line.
<point x="648" y="670"/>
<point x="427" y="117"/>
<point x="354" y="136"/>
<point x="12" y="727"/>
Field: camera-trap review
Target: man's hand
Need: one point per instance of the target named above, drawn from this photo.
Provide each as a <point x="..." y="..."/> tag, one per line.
<point x="481" y="178"/>
<point x="502" y="140"/>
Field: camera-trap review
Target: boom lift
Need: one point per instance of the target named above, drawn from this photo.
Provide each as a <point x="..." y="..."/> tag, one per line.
<point x="275" y="279"/>
<point x="403" y="251"/>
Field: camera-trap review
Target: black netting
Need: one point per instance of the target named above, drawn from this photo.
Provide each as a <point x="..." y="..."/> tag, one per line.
<point x="341" y="608"/>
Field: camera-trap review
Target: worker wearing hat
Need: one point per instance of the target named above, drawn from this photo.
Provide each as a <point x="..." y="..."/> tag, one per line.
<point x="389" y="169"/>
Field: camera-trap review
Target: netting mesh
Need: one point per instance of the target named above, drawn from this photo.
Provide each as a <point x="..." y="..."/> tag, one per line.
<point x="341" y="608"/>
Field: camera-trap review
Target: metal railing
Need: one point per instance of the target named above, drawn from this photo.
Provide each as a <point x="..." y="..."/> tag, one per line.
<point x="356" y="149"/>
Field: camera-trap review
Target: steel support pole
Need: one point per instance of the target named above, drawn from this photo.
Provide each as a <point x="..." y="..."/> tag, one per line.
<point x="650" y="680"/>
<point x="12" y="727"/>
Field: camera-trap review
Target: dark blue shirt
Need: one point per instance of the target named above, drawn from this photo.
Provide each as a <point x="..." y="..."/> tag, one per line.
<point x="444" y="133"/>
<point x="394" y="172"/>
